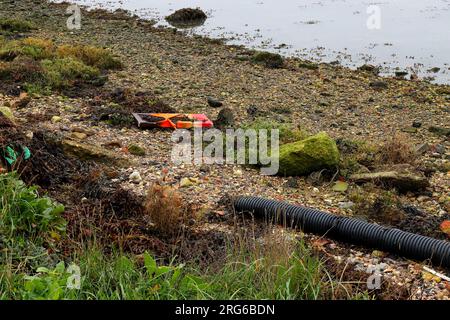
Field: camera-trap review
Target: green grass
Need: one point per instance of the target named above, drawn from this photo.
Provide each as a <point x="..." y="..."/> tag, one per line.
<point x="32" y="267"/>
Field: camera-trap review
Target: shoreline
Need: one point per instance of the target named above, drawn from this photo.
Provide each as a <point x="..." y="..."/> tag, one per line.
<point x="183" y="71"/>
<point x="385" y="71"/>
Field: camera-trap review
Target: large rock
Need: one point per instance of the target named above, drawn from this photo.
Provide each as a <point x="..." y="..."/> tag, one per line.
<point x="187" y="17"/>
<point x="86" y="151"/>
<point x="402" y="181"/>
<point x="306" y="156"/>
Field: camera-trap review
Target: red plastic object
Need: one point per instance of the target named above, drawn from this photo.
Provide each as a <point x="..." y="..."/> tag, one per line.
<point x="172" y="120"/>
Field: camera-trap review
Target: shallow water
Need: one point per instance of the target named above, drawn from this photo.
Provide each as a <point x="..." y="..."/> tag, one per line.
<point x="414" y="35"/>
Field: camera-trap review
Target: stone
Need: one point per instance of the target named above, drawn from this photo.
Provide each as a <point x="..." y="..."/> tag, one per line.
<point x="225" y="119"/>
<point x="56" y="119"/>
<point x="78" y="135"/>
<point x="136" y="150"/>
<point x="422" y="148"/>
<point x="378" y="85"/>
<point x="402" y="181"/>
<point x="346" y="205"/>
<point x="410" y="130"/>
<point x="135" y="177"/>
<point x="417" y="124"/>
<point x="439" y="131"/>
<point x="86" y="151"/>
<point x="306" y="156"/>
<point x="214" y="103"/>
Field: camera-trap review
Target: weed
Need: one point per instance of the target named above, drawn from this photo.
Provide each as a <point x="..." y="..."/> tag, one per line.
<point x="62" y="73"/>
<point x="14" y="25"/>
<point x="308" y="65"/>
<point x="268" y="59"/>
<point x="383" y="207"/>
<point x="40" y="67"/>
<point x="37" y="48"/>
<point x="91" y="56"/>
<point x="25" y="214"/>
<point x="396" y="150"/>
<point x="165" y="209"/>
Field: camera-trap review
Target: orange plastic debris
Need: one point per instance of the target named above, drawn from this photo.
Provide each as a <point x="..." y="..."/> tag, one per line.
<point x="172" y="120"/>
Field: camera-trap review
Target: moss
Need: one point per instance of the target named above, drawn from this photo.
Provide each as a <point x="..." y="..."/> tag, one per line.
<point x="7" y="113"/>
<point x="91" y="56"/>
<point x="14" y="25"/>
<point x="306" y="156"/>
<point x="268" y="59"/>
<point x="287" y="132"/>
<point x="136" y="150"/>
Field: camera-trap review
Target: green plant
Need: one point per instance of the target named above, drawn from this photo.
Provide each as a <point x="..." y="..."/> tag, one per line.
<point x="24" y="214"/>
<point x="40" y="66"/>
<point x="47" y="284"/>
<point x="61" y="73"/>
<point x="91" y="56"/>
<point x="14" y="25"/>
<point x="164" y="208"/>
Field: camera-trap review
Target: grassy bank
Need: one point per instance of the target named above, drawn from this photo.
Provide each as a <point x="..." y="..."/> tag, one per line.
<point x="33" y="266"/>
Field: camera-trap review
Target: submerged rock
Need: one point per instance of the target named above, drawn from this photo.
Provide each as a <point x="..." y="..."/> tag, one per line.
<point x="369" y="68"/>
<point x="305" y="156"/>
<point x="187" y="17"/>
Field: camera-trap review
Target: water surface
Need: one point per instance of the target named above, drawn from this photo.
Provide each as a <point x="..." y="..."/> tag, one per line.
<point x="414" y="34"/>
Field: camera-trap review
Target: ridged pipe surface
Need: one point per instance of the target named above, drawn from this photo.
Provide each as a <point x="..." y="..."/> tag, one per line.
<point x="351" y="230"/>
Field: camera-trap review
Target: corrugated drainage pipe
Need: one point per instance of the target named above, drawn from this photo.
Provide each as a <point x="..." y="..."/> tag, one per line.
<point x="351" y="230"/>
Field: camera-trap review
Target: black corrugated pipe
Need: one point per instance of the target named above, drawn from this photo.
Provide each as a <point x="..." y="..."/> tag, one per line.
<point x="349" y="230"/>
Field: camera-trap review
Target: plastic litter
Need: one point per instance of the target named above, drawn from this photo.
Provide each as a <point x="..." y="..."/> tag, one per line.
<point x="172" y="120"/>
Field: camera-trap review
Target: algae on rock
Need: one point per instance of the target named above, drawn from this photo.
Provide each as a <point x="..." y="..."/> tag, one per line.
<point x="306" y="156"/>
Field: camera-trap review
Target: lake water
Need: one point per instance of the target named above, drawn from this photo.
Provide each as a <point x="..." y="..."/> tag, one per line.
<point x="411" y="35"/>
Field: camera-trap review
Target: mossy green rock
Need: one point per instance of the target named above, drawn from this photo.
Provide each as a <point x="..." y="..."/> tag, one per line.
<point x="7" y="113"/>
<point x="305" y="156"/>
